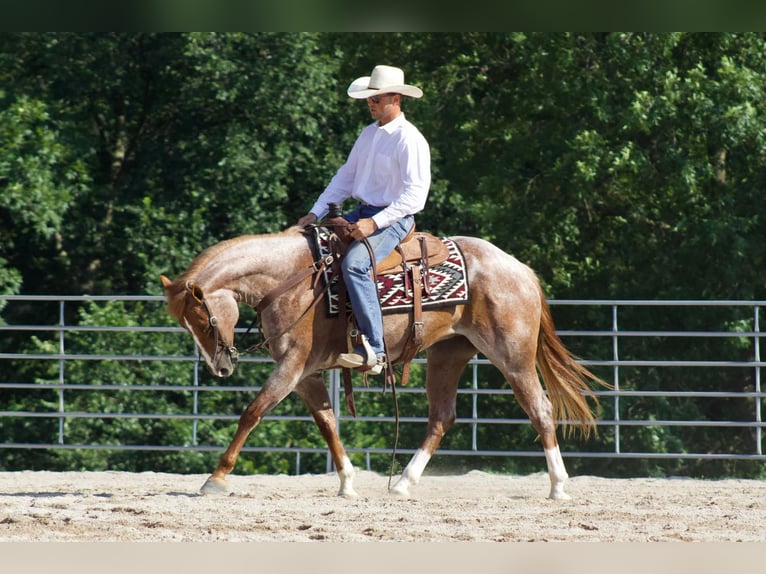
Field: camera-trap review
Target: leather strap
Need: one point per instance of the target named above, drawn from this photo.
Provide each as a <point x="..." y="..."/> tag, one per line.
<point x="348" y="388"/>
<point x="424" y="264"/>
<point x="292" y="281"/>
<point x="415" y="340"/>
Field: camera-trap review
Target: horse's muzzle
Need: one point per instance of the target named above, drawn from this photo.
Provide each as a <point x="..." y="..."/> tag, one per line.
<point x="226" y="363"/>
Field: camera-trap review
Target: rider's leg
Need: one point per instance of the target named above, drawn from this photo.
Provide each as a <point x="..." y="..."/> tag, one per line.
<point x="362" y="291"/>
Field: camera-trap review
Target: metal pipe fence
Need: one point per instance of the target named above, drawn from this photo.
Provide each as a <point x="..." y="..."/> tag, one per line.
<point x="613" y="347"/>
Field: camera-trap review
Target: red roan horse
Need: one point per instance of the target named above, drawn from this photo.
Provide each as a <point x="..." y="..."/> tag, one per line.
<point x="507" y="320"/>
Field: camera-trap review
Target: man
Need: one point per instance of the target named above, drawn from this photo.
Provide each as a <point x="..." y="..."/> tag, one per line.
<point x="388" y="171"/>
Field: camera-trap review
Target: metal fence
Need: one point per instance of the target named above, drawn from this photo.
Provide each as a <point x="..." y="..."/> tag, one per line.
<point x="615" y="361"/>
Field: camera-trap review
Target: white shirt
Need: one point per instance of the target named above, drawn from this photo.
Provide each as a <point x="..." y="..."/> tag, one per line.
<point x="388" y="166"/>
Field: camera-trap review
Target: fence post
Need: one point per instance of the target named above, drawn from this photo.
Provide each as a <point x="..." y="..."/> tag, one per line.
<point x="195" y="397"/>
<point x="616" y="379"/>
<point x="62" y="366"/>
<point x="758" y="400"/>
<point x="475" y="406"/>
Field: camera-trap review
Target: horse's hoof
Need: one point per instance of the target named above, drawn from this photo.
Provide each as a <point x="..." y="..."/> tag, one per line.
<point x="400" y="490"/>
<point x="347" y="493"/>
<point x="559" y="494"/>
<point x="214" y="486"/>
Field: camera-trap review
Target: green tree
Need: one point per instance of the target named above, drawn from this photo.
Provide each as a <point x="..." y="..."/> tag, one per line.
<point x="186" y="139"/>
<point x="38" y="180"/>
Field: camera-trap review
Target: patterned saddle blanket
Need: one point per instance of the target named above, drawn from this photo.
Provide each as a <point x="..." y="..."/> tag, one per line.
<point x="447" y="282"/>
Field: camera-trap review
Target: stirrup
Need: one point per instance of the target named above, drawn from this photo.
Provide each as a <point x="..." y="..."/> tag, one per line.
<point x="380" y="365"/>
<point x="368" y="363"/>
<point x="356" y="361"/>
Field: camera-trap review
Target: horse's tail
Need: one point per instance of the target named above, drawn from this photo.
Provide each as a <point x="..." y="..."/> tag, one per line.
<point x="567" y="381"/>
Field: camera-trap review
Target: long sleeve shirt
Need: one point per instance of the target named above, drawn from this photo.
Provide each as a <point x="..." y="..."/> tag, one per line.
<point x="389" y="166"/>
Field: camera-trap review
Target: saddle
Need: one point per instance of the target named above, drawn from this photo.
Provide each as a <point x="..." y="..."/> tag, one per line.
<point x="413" y="257"/>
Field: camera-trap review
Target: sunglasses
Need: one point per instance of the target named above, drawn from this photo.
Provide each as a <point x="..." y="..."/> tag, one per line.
<point x="376" y="99"/>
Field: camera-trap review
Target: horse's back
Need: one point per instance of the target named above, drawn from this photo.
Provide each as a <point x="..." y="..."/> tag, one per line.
<point x="497" y="279"/>
<point x="486" y="259"/>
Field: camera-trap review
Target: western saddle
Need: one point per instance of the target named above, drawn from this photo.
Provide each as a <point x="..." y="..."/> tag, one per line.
<point x="413" y="257"/>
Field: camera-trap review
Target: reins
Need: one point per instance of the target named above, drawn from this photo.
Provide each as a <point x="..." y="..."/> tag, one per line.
<point x="390" y="376"/>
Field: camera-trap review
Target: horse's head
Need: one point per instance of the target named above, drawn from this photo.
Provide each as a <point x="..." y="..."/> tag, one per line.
<point x="210" y="318"/>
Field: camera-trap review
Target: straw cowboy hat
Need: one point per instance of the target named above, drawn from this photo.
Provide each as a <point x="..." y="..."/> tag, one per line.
<point x="384" y="80"/>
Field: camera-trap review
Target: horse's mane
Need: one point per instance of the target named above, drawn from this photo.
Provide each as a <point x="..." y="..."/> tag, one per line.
<point x="177" y="290"/>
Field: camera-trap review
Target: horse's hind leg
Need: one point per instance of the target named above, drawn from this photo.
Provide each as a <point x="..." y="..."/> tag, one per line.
<point x="314" y="393"/>
<point x="530" y="395"/>
<point x="446" y="361"/>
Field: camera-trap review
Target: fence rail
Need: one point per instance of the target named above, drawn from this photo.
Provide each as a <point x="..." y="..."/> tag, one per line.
<point x="611" y="336"/>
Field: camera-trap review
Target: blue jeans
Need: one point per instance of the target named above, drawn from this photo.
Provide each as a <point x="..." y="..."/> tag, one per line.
<point x="356" y="267"/>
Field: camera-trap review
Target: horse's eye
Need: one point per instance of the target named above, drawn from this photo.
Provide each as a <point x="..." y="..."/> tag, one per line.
<point x="213" y="321"/>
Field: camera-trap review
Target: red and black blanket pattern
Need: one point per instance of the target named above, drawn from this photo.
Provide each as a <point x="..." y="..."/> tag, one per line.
<point x="447" y="282"/>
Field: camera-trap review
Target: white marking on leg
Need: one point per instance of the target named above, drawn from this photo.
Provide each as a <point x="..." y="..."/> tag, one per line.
<point x="411" y="474"/>
<point x="346" y="476"/>
<point x="557" y="473"/>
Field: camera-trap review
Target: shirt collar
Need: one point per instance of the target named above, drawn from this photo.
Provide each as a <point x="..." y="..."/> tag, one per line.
<point x="393" y="124"/>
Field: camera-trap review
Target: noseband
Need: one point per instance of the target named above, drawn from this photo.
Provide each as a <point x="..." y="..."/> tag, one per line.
<point x="213" y="321"/>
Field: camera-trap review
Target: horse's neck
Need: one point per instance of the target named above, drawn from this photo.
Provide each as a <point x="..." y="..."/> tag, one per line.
<point x="251" y="266"/>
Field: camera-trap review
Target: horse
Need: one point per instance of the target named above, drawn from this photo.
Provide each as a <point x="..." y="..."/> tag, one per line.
<point x="507" y="319"/>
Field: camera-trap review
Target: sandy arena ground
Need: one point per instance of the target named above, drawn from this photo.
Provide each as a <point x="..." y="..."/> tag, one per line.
<point x="475" y="507"/>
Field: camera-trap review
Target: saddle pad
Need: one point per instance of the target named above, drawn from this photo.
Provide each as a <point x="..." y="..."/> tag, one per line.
<point x="448" y="281"/>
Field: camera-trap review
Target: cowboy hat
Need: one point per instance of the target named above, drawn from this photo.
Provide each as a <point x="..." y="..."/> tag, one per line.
<point x="384" y="80"/>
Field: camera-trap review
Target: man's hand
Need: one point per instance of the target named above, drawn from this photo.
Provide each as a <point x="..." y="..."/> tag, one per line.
<point x="307" y="219"/>
<point x="362" y="228"/>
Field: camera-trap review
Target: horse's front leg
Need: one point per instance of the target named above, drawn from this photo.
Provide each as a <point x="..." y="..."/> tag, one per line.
<point x="276" y="388"/>
<point x="314" y="393"/>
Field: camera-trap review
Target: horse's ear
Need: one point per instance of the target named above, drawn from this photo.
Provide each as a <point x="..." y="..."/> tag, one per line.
<point x="196" y="291"/>
<point x="165" y="281"/>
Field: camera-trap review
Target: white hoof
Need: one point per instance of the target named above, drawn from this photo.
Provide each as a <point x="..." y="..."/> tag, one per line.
<point x="557" y="493"/>
<point x="348" y="493"/>
<point x="214" y="486"/>
<point x="401" y="489"/>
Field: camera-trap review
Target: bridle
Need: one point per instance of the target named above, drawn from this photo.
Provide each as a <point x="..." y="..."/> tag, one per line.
<point x="219" y="345"/>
